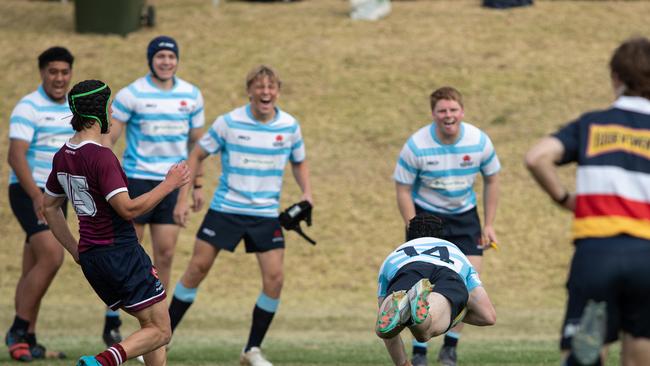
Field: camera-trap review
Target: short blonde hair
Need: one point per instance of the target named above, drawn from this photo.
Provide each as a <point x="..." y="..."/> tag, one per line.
<point x="446" y="93"/>
<point x="261" y="71"/>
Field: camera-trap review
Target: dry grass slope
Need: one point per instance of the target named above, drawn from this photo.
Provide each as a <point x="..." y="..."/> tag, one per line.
<point x="359" y="90"/>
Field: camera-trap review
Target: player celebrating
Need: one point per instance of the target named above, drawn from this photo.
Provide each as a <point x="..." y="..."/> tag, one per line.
<point x="435" y="172"/>
<point x="108" y="251"/>
<point x="38" y="127"/>
<point x="431" y="287"/>
<point x="255" y="142"/>
<point x="163" y="116"/>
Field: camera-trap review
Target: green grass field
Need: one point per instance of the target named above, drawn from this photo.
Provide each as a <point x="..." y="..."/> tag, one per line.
<point x="359" y="89"/>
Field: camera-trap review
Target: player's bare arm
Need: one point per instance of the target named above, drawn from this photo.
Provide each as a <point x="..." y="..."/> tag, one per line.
<point x="59" y="226"/>
<point x="197" y="185"/>
<point x="181" y="211"/>
<point x="405" y="202"/>
<point x="116" y="131"/>
<point x="490" y="203"/>
<point x="301" y="174"/>
<point x="127" y="208"/>
<point x="540" y="161"/>
<point x="17" y="160"/>
<point x="480" y="310"/>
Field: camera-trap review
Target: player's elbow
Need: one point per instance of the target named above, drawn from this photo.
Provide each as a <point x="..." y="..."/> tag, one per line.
<point x="489" y="317"/>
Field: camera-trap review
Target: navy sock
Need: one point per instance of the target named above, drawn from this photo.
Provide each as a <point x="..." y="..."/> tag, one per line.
<point x="450" y="341"/>
<point x="176" y="311"/>
<point x="571" y="361"/>
<point x="417" y="350"/>
<point x="19" y="325"/>
<point x="111" y="322"/>
<point x="261" y="323"/>
<point x="31" y="339"/>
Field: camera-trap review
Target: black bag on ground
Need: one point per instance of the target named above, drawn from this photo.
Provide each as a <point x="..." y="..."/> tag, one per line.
<point x="504" y="4"/>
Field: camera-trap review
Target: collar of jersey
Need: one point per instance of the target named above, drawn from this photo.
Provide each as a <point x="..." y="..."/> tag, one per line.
<point x="42" y="92"/>
<point x="633" y="104"/>
<point x="249" y="113"/>
<point x="153" y="85"/>
<point x="79" y="145"/>
<point x="435" y="137"/>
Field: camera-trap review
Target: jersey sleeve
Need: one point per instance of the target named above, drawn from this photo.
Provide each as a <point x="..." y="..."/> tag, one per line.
<point x="406" y="169"/>
<point x="569" y="136"/>
<point x="111" y="177"/>
<point x="298" y="153"/>
<point x="197" y="117"/>
<point x="22" y="123"/>
<point x="490" y="164"/>
<point x="123" y="106"/>
<point x="214" y="140"/>
<point x="472" y="280"/>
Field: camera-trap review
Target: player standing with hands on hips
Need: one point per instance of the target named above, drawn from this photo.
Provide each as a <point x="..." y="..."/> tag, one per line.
<point x="111" y="258"/>
<point x="255" y="142"/>
<point x="611" y="207"/>
<point x="435" y="173"/>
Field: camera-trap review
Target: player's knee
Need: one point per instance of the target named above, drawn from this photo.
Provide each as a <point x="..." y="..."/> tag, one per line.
<point x="274" y="281"/>
<point x="165" y="335"/>
<point x="424" y="337"/>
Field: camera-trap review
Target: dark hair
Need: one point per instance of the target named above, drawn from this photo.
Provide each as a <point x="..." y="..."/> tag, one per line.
<point x="55" y="54"/>
<point x="88" y="102"/>
<point x="424" y="225"/>
<point x="630" y="63"/>
<point x="446" y="93"/>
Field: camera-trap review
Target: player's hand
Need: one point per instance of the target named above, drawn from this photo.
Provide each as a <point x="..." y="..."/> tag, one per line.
<point x="197" y="199"/>
<point x="178" y="175"/>
<point x="488" y="236"/>
<point x="38" y="204"/>
<point x="308" y="198"/>
<point x="181" y="212"/>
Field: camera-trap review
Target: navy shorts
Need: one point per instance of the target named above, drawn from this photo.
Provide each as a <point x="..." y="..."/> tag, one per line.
<point x="122" y="276"/>
<point x="23" y="209"/>
<point x="225" y="231"/>
<point x="163" y="213"/>
<point x="463" y="229"/>
<point x="615" y="270"/>
<point x="447" y="283"/>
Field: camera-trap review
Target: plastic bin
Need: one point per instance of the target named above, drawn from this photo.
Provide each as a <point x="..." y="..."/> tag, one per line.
<point x="109" y="16"/>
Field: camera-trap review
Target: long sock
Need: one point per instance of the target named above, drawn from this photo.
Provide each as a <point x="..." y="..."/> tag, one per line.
<point x="19" y="324"/>
<point x="419" y="348"/>
<point x="263" y="313"/>
<point x="113" y="356"/>
<point x="571" y="361"/>
<point x="451" y="339"/>
<point x="112" y="320"/>
<point x="31" y="339"/>
<point x="181" y="301"/>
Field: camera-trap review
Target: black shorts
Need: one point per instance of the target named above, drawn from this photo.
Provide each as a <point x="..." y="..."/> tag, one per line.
<point x="463" y="229"/>
<point x="447" y="283"/>
<point x="23" y="208"/>
<point x="163" y="213"/>
<point x="615" y="270"/>
<point x="224" y="231"/>
<point x="122" y="276"/>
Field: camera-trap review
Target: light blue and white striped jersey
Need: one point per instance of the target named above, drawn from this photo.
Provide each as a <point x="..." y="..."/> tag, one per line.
<point x="158" y="124"/>
<point x="443" y="175"/>
<point x="430" y="250"/>
<point x="253" y="158"/>
<point x="45" y="124"/>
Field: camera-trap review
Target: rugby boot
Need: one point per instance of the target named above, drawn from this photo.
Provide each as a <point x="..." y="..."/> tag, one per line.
<point x="16" y="341"/>
<point x="590" y="336"/>
<point x="447" y="356"/>
<point x="253" y="357"/>
<point x="417" y="297"/>
<point x="88" y="361"/>
<point x="419" y="360"/>
<point x="39" y="352"/>
<point x="393" y="315"/>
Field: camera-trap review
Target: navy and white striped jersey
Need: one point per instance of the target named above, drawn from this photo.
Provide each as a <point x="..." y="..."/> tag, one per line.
<point x="253" y="158"/>
<point x="45" y="124"/>
<point x="443" y="175"/>
<point x="158" y="124"/>
<point x="430" y="250"/>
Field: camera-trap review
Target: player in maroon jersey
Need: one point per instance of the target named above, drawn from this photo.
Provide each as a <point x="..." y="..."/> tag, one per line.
<point x="111" y="258"/>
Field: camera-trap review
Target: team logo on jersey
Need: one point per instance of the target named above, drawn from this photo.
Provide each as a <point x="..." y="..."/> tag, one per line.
<point x="150" y="105"/>
<point x="243" y="137"/>
<point x="184" y="108"/>
<point x="49" y="118"/>
<point x="467" y="161"/>
<point x="611" y="138"/>
<point x="278" y="141"/>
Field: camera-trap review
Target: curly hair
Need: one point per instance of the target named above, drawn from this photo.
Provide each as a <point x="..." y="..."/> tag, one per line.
<point x="424" y="225"/>
<point x="88" y="101"/>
